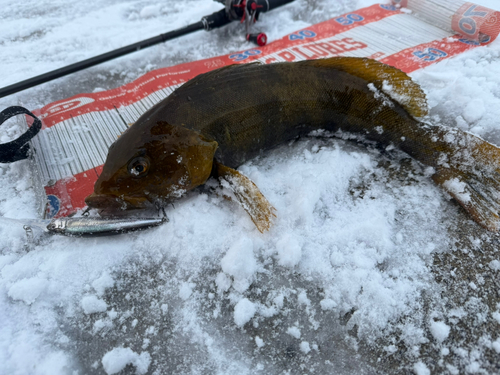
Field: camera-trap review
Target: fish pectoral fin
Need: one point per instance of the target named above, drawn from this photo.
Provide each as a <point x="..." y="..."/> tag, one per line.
<point x="249" y="196"/>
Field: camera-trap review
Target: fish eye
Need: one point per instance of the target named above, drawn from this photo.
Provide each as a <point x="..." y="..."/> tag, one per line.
<point x="138" y="167"/>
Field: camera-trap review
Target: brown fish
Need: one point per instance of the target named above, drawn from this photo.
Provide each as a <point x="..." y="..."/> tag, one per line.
<point x="218" y="120"/>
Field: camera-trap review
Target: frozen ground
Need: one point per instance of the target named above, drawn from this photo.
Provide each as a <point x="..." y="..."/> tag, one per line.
<point x="369" y="267"/>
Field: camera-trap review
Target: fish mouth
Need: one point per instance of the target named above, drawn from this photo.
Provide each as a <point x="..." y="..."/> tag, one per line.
<point x="114" y="203"/>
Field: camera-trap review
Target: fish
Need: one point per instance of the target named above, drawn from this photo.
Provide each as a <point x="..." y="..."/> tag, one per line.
<point x="219" y="120"/>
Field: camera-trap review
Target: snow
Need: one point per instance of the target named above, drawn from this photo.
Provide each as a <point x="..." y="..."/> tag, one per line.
<point x="186" y="290"/>
<point x="328" y="304"/>
<point x="244" y="311"/>
<point x="102" y="283"/>
<point x="304" y="346"/>
<point x="289" y="251"/>
<point x="439" y="330"/>
<point x="421" y="369"/>
<point x="259" y="342"/>
<point x="92" y="304"/>
<point x="458" y="188"/>
<point x="115" y="360"/>
<point x="240" y="263"/>
<point x="496" y="316"/>
<point x="294" y="331"/>
<point x="495" y="265"/>
<point x="496" y="346"/>
<point x="347" y="263"/>
<point x="27" y="290"/>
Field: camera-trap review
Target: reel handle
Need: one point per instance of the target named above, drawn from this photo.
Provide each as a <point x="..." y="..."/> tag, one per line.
<point x="258" y="38"/>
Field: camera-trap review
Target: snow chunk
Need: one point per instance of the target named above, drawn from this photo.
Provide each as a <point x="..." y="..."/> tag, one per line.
<point x="223" y="282"/>
<point x="461" y="123"/>
<point x="452" y="369"/>
<point x="259" y="342"/>
<point x="240" y="263"/>
<point x="102" y="283"/>
<point x="244" y="311"/>
<point x="294" y="331"/>
<point x="92" y="304"/>
<point x="164" y="308"/>
<point x="473" y="111"/>
<point x="496" y="346"/>
<point x="388" y="89"/>
<point x="279" y="301"/>
<point x="328" y="304"/>
<point x="117" y="359"/>
<point x="304" y="347"/>
<point x="440" y="331"/>
<point x="495" y="265"/>
<point x="27" y="290"/>
<point x="421" y="369"/>
<point x="302" y="299"/>
<point x="379" y="95"/>
<point x="150" y="11"/>
<point x="457" y="187"/>
<point x="186" y="290"/>
<point x="496" y="316"/>
<point x="473" y="367"/>
<point x="289" y="251"/>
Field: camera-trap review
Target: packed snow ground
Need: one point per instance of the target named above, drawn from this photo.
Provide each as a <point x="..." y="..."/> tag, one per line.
<point x="343" y="278"/>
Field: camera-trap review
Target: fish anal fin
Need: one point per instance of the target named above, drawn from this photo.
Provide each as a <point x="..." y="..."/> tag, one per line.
<point x="392" y="81"/>
<point x="249" y="196"/>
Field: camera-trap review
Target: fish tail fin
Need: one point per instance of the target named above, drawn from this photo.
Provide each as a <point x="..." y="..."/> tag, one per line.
<point x="475" y="184"/>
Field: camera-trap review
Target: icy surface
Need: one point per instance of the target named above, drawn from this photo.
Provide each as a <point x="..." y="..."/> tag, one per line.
<point x="345" y="280"/>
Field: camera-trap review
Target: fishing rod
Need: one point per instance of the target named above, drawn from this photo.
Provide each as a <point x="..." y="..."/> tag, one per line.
<point x="243" y="10"/>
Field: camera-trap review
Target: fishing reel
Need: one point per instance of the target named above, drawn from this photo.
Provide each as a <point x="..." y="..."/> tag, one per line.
<point x="246" y="11"/>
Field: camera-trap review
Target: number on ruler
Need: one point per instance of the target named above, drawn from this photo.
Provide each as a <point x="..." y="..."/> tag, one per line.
<point x="430" y="54"/>
<point x="244" y="55"/>
<point x="302" y="34"/>
<point x="483" y="39"/>
<point x="349" y="19"/>
<point x="468" y="24"/>
<point x="388" y="7"/>
<point x="468" y="41"/>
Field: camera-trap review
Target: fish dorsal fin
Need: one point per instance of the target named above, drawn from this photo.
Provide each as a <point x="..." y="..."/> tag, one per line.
<point x="392" y="81"/>
<point x="216" y="73"/>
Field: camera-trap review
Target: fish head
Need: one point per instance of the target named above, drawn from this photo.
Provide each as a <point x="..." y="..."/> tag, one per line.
<point x="147" y="167"/>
